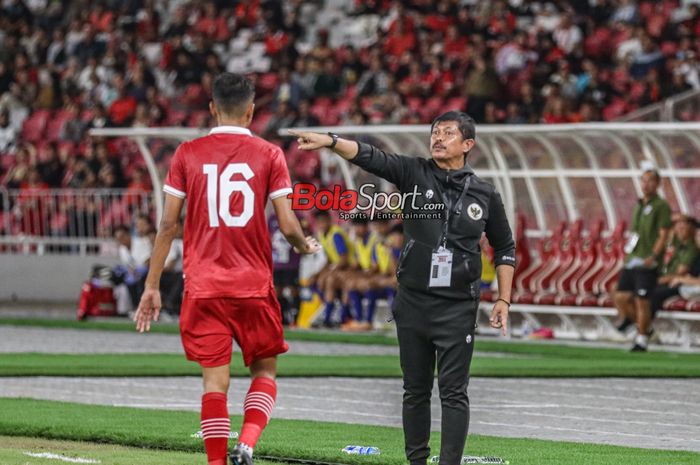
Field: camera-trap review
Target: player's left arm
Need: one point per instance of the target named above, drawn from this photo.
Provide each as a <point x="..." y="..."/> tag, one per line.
<point x="500" y="237"/>
<point x="150" y="304"/>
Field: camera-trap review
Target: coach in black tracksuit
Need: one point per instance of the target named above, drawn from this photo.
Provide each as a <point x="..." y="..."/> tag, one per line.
<point x="439" y="273"/>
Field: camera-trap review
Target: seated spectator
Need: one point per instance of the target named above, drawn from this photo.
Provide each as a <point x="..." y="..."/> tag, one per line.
<point x="51" y="169"/>
<point x="8" y="133"/>
<point x="328" y="82"/>
<point x="134" y="255"/>
<point x="682" y="265"/>
<point x="305" y="118"/>
<point x="378" y="257"/>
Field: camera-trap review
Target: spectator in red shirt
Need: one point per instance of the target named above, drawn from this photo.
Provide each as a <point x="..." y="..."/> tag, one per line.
<point x="212" y="25"/>
<point x="454" y="44"/>
<point x="32" y="204"/>
<point x="123" y="108"/>
<point x="400" y="40"/>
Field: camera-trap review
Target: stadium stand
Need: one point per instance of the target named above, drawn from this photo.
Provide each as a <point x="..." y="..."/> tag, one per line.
<point x="69" y="67"/>
<point x="139" y="63"/>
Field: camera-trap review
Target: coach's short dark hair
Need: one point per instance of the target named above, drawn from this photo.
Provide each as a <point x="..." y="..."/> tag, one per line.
<point x="232" y="92"/>
<point x="465" y="123"/>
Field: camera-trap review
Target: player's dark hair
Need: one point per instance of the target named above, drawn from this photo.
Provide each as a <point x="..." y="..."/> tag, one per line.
<point x="232" y="93"/>
<point x="360" y="219"/>
<point x="322" y="214"/>
<point x="465" y="123"/>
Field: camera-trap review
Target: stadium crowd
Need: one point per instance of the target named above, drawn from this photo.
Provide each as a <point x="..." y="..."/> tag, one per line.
<point x="66" y="67"/>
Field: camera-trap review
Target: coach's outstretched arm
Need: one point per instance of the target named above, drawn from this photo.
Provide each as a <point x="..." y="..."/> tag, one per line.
<point x="149" y="306"/>
<point x="390" y="166"/>
<point x="347" y="149"/>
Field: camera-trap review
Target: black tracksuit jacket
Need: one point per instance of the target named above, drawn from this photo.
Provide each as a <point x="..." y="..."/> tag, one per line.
<point x="479" y="210"/>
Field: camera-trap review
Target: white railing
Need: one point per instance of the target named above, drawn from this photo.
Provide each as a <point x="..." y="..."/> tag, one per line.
<point x="81" y="221"/>
<point x="676" y="108"/>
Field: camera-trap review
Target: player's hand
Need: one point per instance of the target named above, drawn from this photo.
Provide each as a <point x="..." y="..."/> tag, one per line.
<point x="499" y="316"/>
<point x="311" y="246"/>
<point x="149" y="309"/>
<point x="311" y="140"/>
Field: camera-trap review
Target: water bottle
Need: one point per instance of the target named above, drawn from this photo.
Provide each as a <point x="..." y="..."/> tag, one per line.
<point x="361" y="450"/>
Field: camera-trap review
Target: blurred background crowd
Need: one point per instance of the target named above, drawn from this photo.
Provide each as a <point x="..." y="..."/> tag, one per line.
<point x="66" y="67"/>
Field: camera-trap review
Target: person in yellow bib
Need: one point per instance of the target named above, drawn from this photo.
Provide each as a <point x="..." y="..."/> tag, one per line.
<point x="338" y="249"/>
<point x="379" y="280"/>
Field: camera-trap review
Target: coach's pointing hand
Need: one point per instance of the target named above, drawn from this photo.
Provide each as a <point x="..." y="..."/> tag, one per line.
<point x="311" y="140"/>
<point x="149" y="308"/>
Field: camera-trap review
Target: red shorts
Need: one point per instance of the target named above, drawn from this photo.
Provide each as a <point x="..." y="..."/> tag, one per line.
<point x="208" y="325"/>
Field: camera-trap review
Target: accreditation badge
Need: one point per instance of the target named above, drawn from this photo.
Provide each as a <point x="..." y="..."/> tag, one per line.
<point x="441" y="268"/>
<point x="631" y="243"/>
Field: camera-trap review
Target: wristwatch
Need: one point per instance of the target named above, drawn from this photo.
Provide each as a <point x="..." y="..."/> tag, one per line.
<point x="334" y="136"/>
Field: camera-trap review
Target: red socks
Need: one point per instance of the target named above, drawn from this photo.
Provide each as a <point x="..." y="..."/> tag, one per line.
<point x="257" y="410"/>
<point x="216" y="426"/>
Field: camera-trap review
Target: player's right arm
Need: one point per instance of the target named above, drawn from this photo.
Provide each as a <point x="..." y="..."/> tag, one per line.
<point x="291" y="228"/>
<point x="175" y="188"/>
<point x="150" y="304"/>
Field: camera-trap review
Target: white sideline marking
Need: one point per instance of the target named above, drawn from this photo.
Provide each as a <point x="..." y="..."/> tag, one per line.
<point x="63" y="458"/>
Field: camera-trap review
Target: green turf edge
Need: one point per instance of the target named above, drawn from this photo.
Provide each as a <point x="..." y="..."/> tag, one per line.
<point x="13" y="449"/>
<point x="311" y="440"/>
<point x="366" y="366"/>
<point x="515" y="347"/>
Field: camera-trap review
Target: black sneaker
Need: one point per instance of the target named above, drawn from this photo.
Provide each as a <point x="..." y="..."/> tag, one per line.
<point x="239" y="456"/>
<point x="638" y="348"/>
<point x="626" y="323"/>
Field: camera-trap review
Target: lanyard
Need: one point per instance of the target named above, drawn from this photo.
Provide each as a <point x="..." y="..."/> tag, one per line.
<point x="457" y="210"/>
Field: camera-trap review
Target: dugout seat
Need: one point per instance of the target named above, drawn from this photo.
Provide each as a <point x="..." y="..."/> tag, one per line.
<point x="586" y="258"/>
<point x="566" y="254"/>
<point x="595" y="286"/>
<point x="525" y="289"/>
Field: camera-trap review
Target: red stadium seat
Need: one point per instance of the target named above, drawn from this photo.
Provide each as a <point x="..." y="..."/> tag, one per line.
<point x="455" y="103"/>
<point x="34" y="126"/>
<point x="676" y="305"/>
<point x="260" y="122"/>
<point x="55" y="125"/>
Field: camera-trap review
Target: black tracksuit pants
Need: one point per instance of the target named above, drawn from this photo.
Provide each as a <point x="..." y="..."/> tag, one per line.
<point x="434" y="331"/>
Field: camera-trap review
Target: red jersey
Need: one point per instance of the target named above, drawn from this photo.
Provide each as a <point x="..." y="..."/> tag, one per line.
<point x="227" y="178"/>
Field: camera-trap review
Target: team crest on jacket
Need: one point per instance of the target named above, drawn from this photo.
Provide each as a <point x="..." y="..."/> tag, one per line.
<point x="475" y="212"/>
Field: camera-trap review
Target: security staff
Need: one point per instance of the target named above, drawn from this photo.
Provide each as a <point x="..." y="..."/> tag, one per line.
<point x="438" y="273"/>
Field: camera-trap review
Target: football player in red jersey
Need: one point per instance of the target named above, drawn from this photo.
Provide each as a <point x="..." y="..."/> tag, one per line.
<point x="227" y="178"/>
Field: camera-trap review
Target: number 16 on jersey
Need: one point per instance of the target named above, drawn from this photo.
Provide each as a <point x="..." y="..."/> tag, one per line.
<point x="220" y="188"/>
